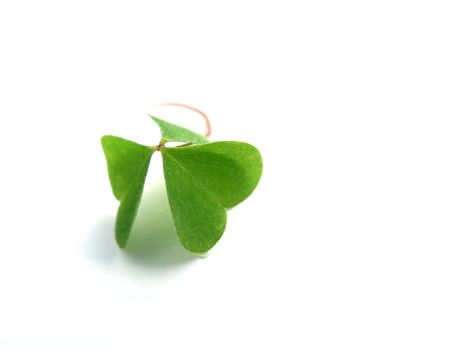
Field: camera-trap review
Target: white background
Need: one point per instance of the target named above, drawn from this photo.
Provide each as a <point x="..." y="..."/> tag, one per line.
<point x="356" y="236"/>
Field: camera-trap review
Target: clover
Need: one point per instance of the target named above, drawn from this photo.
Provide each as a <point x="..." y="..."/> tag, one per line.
<point x="203" y="179"/>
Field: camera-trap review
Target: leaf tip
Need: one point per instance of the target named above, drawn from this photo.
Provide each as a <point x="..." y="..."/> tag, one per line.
<point x="104" y="139"/>
<point x="157" y="120"/>
<point x="121" y="240"/>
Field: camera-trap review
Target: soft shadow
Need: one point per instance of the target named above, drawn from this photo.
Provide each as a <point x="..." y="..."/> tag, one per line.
<point x="153" y="241"/>
<point x="153" y="250"/>
<point x="100" y="245"/>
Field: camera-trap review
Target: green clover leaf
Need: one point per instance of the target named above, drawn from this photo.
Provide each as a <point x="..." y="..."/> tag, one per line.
<point x="202" y="180"/>
<point x="172" y="132"/>
<point x="127" y="164"/>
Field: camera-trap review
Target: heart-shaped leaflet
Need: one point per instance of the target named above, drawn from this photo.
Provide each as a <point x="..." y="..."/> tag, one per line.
<point x="202" y="181"/>
<point x="127" y="164"/>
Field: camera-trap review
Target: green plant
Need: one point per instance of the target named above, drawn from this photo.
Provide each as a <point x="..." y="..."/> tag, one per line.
<point x="202" y="179"/>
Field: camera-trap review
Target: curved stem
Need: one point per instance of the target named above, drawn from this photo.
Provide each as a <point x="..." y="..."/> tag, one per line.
<point x="206" y="119"/>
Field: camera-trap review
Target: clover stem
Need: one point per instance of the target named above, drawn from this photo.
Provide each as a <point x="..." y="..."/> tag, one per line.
<point x="206" y="119"/>
<point x="160" y="145"/>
